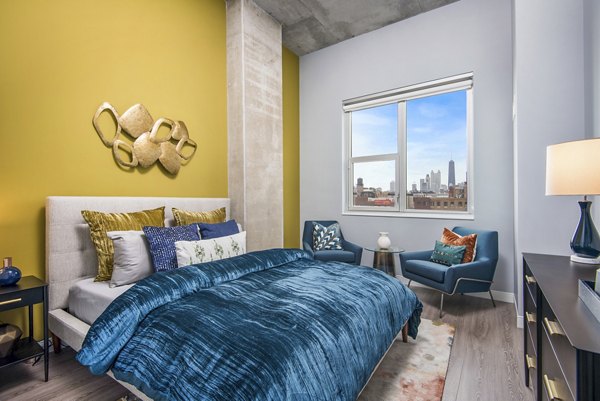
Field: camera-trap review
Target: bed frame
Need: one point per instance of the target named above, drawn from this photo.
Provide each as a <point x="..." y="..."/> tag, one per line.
<point x="71" y="256"/>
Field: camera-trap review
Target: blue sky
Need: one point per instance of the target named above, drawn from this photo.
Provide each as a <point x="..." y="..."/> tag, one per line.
<point x="436" y="131"/>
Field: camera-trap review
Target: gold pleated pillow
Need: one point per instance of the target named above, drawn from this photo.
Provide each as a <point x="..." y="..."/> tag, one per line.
<point x="184" y="217"/>
<point x="101" y="223"/>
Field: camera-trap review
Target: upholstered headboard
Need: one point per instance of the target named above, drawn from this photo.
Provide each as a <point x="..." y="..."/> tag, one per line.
<point x="70" y="253"/>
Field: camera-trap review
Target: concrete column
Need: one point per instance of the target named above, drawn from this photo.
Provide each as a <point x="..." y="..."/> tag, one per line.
<point x="254" y="123"/>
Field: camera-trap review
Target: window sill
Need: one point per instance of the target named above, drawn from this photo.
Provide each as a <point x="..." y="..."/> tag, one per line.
<point x="411" y="215"/>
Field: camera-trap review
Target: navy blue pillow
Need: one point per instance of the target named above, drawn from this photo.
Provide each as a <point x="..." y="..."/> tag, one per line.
<point x="217" y="230"/>
<point x="162" y="243"/>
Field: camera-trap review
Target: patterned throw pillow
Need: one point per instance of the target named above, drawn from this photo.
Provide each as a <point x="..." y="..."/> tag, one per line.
<point x="162" y="243"/>
<point x="469" y="241"/>
<point x="326" y="237"/>
<point x="447" y="255"/>
<point x="184" y="217"/>
<point x="100" y="223"/>
<point x="207" y="250"/>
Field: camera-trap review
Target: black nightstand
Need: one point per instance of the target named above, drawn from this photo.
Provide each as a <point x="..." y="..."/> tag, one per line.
<point x="28" y="291"/>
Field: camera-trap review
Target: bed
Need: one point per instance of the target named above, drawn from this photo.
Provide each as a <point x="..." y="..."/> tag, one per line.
<point x="273" y="324"/>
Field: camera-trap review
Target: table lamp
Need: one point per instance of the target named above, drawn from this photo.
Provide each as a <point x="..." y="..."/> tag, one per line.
<point x="573" y="168"/>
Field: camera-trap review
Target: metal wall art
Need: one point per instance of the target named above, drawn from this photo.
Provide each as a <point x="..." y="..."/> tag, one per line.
<point x="147" y="147"/>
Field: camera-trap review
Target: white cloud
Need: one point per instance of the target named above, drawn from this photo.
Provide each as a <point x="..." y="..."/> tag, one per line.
<point x="432" y="111"/>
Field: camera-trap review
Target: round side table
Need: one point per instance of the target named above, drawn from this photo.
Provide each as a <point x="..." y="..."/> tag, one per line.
<point x="384" y="259"/>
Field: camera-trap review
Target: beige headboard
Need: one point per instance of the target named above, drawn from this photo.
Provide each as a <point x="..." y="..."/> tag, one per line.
<point x="70" y="254"/>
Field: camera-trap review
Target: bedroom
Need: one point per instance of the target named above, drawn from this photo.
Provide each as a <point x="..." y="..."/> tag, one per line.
<point x="62" y="60"/>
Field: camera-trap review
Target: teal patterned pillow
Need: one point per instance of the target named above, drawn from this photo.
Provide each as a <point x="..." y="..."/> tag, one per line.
<point x="447" y="254"/>
<point x="326" y="237"/>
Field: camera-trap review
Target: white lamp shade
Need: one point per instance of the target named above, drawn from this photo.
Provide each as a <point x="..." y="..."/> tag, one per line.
<point x="573" y="168"/>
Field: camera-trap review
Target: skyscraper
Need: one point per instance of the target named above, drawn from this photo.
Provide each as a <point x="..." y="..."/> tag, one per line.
<point x="359" y="186"/>
<point x="436" y="181"/>
<point x="451" y="175"/>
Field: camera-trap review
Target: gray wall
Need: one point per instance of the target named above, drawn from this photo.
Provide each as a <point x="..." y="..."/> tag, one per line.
<point x="592" y="79"/>
<point x="550" y="108"/>
<point x="592" y="32"/>
<point x="470" y="35"/>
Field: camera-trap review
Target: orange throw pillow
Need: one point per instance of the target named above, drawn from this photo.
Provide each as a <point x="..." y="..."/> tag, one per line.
<point x="449" y="237"/>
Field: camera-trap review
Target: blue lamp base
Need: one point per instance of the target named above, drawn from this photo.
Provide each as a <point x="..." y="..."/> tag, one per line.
<point x="586" y="242"/>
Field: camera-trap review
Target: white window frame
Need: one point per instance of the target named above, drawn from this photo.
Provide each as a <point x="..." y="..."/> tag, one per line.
<point x="400" y="96"/>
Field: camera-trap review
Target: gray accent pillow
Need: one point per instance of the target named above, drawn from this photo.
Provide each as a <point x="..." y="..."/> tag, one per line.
<point x="132" y="260"/>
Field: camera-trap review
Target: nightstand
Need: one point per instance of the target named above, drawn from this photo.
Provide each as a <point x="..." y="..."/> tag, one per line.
<point x="28" y="291"/>
<point x="383" y="259"/>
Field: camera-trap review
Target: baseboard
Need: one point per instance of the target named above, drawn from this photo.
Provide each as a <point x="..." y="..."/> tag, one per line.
<point x="501" y="296"/>
<point x="520" y="322"/>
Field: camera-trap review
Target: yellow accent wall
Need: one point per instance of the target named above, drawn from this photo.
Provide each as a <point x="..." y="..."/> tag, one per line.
<point x="291" y="150"/>
<point x="60" y="60"/>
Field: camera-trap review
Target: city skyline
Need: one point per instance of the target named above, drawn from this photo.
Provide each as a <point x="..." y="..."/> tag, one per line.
<point x="436" y="133"/>
<point x="431" y="182"/>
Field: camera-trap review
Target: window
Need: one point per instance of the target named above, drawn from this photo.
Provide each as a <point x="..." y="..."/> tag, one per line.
<point x="409" y="150"/>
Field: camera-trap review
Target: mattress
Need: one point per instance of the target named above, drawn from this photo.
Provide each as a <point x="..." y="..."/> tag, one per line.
<point x="89" y="298"/>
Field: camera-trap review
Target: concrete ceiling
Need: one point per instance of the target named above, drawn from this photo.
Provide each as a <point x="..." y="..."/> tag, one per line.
<point x="310" y="25"/>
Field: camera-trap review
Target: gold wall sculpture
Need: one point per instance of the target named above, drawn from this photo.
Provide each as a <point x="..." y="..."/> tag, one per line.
<point x="147" y="147"/>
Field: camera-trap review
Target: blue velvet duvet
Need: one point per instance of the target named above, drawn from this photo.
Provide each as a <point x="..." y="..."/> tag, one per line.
<point x="268" y="325"/>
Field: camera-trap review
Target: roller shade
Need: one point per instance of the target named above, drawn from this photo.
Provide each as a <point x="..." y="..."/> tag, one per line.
<point x="450" y="84"/>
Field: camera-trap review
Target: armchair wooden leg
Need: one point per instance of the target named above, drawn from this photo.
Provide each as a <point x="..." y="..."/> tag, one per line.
<point x="405" y="333"/>
<point x="492" y="298"/>
<point x="441" y="304"/>
<point x="408" y="285"/>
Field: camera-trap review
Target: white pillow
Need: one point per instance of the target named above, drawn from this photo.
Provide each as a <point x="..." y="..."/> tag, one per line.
<point x="206" y="250"/>
<point x="132" y="260"/>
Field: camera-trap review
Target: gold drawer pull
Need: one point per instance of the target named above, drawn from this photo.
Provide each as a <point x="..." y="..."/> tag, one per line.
<point x="530" y="317"/>
<point x="530" y="279"/>
<point x="530" y="361"/>
<point x="10" y="301"/>
<point x="551" y="389"/>
<point x="553" y="327"/>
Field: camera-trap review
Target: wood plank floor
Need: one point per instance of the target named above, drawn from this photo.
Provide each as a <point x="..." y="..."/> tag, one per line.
<point x="485" y="363"/>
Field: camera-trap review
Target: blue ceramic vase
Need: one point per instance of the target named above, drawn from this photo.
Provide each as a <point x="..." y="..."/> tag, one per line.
<point x="9" y="276"/>
<point x="586" y="242"/>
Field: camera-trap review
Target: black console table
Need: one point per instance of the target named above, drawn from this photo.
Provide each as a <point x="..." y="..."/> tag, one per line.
<point x="561" y="336"/>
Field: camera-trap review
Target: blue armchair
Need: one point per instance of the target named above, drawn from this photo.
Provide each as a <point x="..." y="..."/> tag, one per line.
<point x="351" y="253"/>
<point x="476" y="276"/>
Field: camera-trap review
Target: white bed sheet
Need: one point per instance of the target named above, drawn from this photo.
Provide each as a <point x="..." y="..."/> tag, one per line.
<point x="89" y="298"/>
